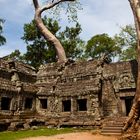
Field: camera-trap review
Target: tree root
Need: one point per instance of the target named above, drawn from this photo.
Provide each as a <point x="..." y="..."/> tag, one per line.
<point x="132" y="121"/>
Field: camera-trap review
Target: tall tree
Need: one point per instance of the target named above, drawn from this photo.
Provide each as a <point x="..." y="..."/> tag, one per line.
<point x="40" y="51"/>
<point x="135" y="110"/>
<point x="127" y="41"/>
<point x="101" y="44"/>
<point x="45" y="32"/>
<point x="2" y="38"/>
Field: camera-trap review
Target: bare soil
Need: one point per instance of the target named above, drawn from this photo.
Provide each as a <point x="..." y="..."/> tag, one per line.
<point x="75" y="136"/>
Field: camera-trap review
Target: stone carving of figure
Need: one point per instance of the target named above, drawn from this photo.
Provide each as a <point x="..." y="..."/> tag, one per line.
<point x="125" y="80"/>
<point x="16" y="80"/>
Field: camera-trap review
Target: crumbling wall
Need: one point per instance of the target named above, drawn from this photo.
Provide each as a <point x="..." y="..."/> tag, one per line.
<point x="16" y="86"/>
<point x="76" y="85"/>
<point x="119" y="84"/>
<point x="73" y="94"/>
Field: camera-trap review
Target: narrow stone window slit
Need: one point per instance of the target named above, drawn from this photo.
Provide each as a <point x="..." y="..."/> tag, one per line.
<point x="66" y="105"/>
<point x="28" y="103"/>
<point x="5" y="103"/>
<point x="82" y="104"/>
<point x="43" y="103"/>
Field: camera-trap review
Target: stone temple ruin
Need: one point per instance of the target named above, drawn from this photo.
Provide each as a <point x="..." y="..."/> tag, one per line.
<point x="74" y="94"/>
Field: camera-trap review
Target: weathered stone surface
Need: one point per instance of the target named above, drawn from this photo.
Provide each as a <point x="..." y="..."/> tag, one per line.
<point x="76" y="94"/>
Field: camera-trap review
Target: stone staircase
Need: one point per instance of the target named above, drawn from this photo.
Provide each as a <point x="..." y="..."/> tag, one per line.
<point x="113" y="126"/>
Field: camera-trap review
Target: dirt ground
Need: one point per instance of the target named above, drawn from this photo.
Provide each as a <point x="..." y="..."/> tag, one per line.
<point x="75" y="136"/>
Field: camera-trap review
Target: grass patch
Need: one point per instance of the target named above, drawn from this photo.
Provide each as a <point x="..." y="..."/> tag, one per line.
<point x="7" y="135"/>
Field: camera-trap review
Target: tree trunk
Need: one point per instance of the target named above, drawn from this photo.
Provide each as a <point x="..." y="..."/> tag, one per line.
<point x="50" y="37"/>
<point x="135" y="110"/>
<point x="61" y="56"/>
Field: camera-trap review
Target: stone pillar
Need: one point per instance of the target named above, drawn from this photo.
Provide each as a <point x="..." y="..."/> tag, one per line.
<point x="0" y="103"/>
<point x="73" y="105"/>
<point x="109" y="98"/>
<point x="34" y="104"/>
<point x="60" y="108"/>
<point x="123" y="107"/>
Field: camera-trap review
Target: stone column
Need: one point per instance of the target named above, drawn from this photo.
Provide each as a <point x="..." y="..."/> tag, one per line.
<point x="123" y="107"/>
<point x="73" y="105"/>
<point x="0" y="103"/>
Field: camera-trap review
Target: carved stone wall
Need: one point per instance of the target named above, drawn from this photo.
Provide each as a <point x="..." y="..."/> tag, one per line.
<point x="77" y="82"/>
<point x="121" y="78"/>
<point x="78" y="94"/>
<point x="17" y="83"/>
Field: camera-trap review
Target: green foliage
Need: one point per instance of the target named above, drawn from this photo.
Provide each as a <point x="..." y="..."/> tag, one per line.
<point x="32" y="133"/>
<point x="127" y="41"/>
<point x="2" y="38"/>
<point x="101" y="44"/>
<point x="15" y="54"/>
<point x="40" y="51"/>
<point x="71" y="41"/>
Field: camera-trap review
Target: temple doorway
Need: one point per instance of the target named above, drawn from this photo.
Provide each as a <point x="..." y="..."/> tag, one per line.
<point x="126" y="104"/>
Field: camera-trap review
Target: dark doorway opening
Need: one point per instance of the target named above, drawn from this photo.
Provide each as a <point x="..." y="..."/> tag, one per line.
<point x="82" y="104"/>
<point x="37" y="123"/>
<point x="43" y="103"/>
<point x="5" y="103"/>
<point x="4" y="127"/>
<point x="28" y="103"/>
<point x="128" y="104"/>
<point x="19" y="126"/>
<point x="66" y="105"/>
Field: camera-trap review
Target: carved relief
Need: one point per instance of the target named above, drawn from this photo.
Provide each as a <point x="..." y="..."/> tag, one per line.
<point x="125" y="81"/>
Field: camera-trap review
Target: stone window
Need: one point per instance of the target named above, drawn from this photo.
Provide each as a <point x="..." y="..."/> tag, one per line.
<point x="5" y="103"/>
<point x="82" y="104"/>
<point x="28" y="103"/>
<point x="43" y="103"/>
<point x="66" y="105"/>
